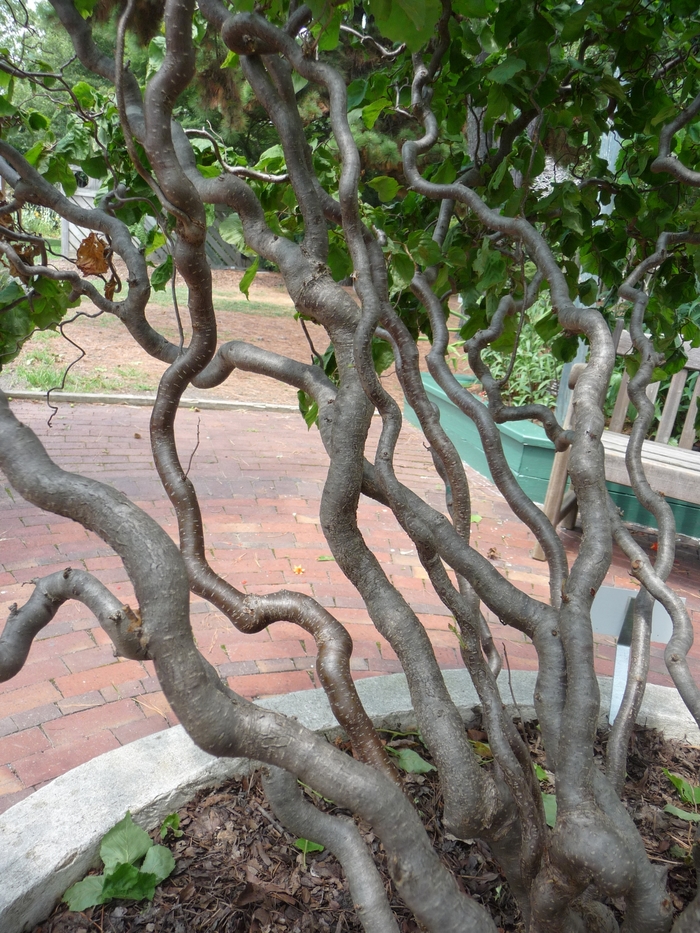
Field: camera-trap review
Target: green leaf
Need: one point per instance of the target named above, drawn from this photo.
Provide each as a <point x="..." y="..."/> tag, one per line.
<point x="423" y="248"/>
<point x="476" y="519"/>
<point x="34" y="154"/>
<point x="575" y="23"/>
<point x="306" y="846"/>
<point x="325" y="557"/>
<point x="6" y="108"/>
<point x="382" y="354"/>
<point x="679" y="852"/>
<point x="155" y="241"/>
<point x="85" y="7"/>
<point x="171" y="823"/>
<point x="86" y="893"/>
<point x="385" y="186"/>
<point x="445" y="174"/>
<point x="689" y="793"/>
<point x="490" y="267"/>
<point x="38" y="121"/>
<point x="330" y="35"/>
<point x="94" y="167"/>
<point x="612" y="87"/>
<point x="125" y="843"/>
<point x="409" y="21"/>
<point x="162" y="274"/>
<point x="231" y="60"/>
<point x="505" y="71"/>
<point x="410" y="761"/>
<point x="356" y="93"/>
<point x="126" y="882"/>
<point x="682" y="814"/>
<point x="231" y="230"/>
<point x="159" y="861"/>
<point x="248" y="276"/>
<point x="298" y="82"/>
<point x="481" y="748"/>
<point x="403" y="269"/>
<point x="541" y="773"/>
<point x="339" y="263"/>
<point x="370" y="113"/>
<point x="477" y="9"/>
<point x="549" y="802"/>
<point x="84" y="95"/>
<point x="308" y="408"/>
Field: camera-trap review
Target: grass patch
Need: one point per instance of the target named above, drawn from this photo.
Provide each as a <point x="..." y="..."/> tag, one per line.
<point x="224" y="302"/>
<point x="41" y="368"/>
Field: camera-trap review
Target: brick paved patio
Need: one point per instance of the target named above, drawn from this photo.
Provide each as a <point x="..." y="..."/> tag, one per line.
<point x="259" y="476"/>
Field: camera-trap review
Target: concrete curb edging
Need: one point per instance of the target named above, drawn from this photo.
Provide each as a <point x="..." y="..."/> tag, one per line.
<point x="97" y="398"/>
<point x="49" y="840"/>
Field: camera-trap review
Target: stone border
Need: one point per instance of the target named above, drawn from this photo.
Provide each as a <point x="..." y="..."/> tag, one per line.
<point x="95" y="398"/>
<point x="49" y="840"/>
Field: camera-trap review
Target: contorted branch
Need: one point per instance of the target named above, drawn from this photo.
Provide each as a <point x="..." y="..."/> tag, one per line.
<point x="218" y="720"/>
<point x="656" y="505"/>
<point x="120" y="622"/>
<point x="665" y="161"/>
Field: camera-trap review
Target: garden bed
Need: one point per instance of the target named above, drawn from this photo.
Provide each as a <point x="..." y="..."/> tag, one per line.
<point x="237" y="869"/>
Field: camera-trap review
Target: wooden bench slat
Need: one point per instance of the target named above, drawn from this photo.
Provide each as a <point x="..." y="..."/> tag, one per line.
<point x="673" y="400"/>
<point x="688" y="435"/>
<point x="622" y="402"/>
<point x="670" y="470"/>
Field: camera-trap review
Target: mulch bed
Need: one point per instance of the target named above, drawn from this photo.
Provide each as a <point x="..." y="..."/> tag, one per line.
<point x="238" y="870"/>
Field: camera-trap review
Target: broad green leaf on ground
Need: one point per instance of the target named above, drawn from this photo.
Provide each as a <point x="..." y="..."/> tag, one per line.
<point x="126" y="882"/>
<point x="689" y="793"/>
<point x="159" y="861"/>
<point x="171" y="823"/>
<point x="306" y="846"/>
<point x="682" y="814"/>
<point x="125" y="843"/>
<point x="86" y="893"/>
<point x="410" y="761"/>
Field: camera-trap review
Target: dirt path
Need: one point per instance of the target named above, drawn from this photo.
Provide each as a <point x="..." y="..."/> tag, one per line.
<point x="113" y="362"/>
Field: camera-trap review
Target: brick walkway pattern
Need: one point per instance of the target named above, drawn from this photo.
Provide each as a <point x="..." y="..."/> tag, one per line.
<point x="259" y="476"/>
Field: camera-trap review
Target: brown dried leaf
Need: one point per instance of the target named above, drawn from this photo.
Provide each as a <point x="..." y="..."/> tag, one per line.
<point x="111" y="287"/>
<point x="92" y="254"/>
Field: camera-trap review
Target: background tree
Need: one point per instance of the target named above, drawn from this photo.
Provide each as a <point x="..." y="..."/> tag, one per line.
<point x="429" y="149"/>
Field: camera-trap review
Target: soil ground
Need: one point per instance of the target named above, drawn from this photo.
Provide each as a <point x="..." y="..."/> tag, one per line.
<point x="113" y="362"/>
<point x="238" y="871"/>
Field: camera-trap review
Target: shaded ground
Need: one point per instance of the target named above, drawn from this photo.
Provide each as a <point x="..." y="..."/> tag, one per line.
<point x="238" y="870"/>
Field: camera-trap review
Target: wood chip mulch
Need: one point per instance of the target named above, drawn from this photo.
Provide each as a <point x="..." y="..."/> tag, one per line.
<point x="238" y="870"/>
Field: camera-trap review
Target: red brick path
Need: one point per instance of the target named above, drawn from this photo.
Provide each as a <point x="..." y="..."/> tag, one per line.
<point x="259" y="476"/>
